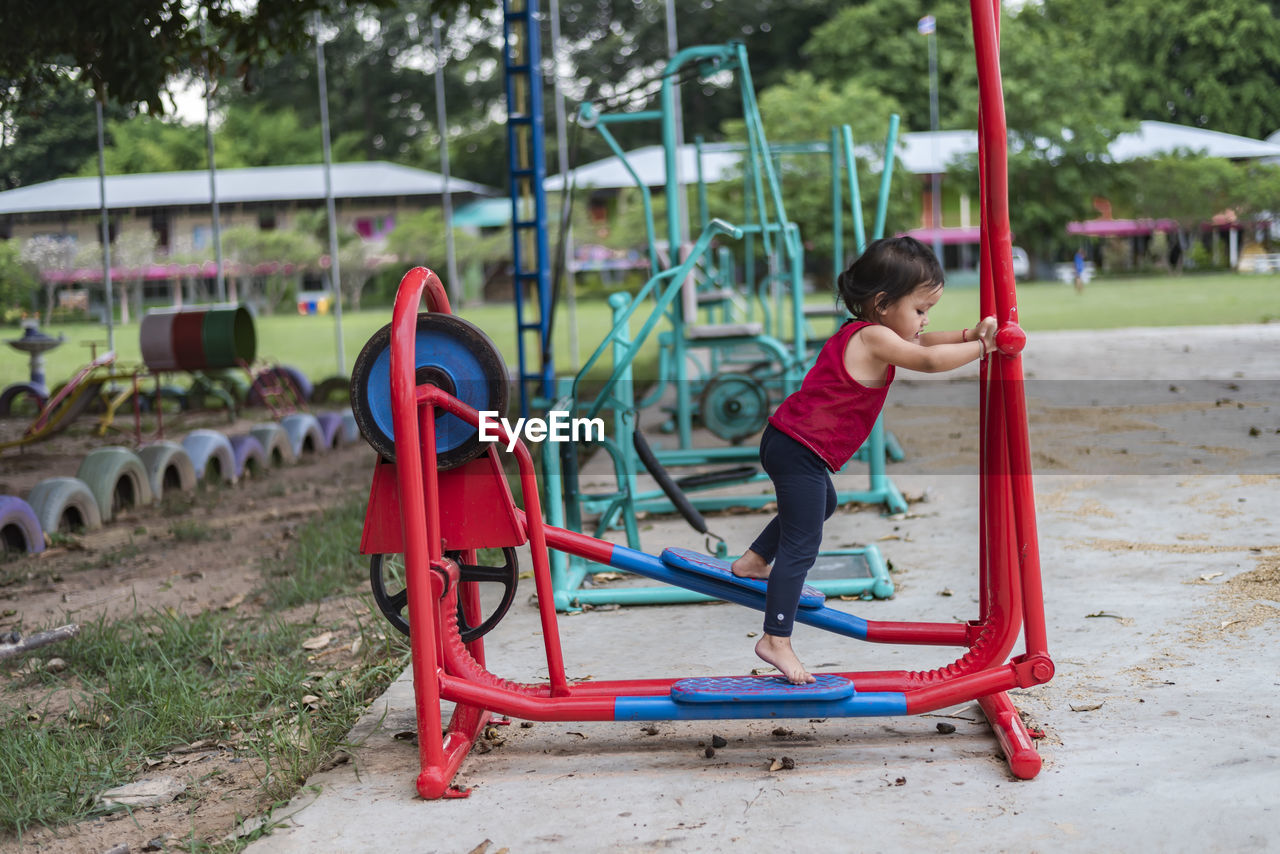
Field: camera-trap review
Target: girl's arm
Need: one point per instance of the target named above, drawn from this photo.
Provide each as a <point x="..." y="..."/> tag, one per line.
<point x="958" y="336"/>
<point x="884" y="346"/>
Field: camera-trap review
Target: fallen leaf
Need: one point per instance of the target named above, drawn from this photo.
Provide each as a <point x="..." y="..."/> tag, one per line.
<point x="1210" y="576"/>
<point x="1085" y="707"/>
<point x="143" y="793"/>
<point x="318" y="642"/>
<point x="233" y="601"/>
<point x="1105" y="614"/>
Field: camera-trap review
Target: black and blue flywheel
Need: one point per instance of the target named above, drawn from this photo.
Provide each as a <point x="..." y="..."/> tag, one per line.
<point x="449" y="353"/>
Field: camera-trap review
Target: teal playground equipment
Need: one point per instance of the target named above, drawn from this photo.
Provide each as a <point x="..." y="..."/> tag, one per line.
<point x="673" y="295"/>
<point x="748" y="364"/>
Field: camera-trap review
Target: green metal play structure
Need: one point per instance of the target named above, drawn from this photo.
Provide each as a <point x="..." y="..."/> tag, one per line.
<point x="703" y="271"/>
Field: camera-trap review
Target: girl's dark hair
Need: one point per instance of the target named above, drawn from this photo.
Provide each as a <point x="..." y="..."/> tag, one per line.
<point x="887" y="271"/>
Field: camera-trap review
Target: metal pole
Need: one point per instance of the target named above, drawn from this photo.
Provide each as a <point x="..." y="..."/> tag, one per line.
<point x="453" y="284"/>
<point x="220" y="279"/>
<point x="935" y="178"/>
<point x="106" y="231"/>
<point x="335" y="269"/>
<point x="562" y="155"/>
<point x="213" y="193"/>
<point x="678" y="124"/>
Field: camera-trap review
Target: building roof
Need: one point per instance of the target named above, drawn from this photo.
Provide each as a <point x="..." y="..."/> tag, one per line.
<point x="1154" y="138"/>
<point x="719" y="163"/>
<point x="920" y="152"/>
<point x="483" y="213"/>
<point x="262" y="184"/>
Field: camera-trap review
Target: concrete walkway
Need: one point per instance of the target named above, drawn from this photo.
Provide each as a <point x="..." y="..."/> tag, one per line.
<point x="1157" y="499"/>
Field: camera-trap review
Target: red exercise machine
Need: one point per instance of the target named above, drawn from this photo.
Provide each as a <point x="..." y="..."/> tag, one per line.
<point x="440" y="494"/>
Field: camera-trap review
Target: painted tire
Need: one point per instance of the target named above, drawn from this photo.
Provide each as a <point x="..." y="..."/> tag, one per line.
<point x="331" y="429"/>
<point x="117" y="478"/>
<point x="287" y="377"/>
<point x="30" y="394"/>
<point x="305" y="435"/>
<point x="333" y="391"/>
<point x="350" y="429"/>
<point x="211" y="454"/>
<point x="250" y="457"/>
<point x="217" y="390"/>
<point x="65" y="505"/>
<point x="169" y="468"/>
<point x="448" y="352"/>
<point x="20" y="530"/>
<point x="276" y="444"/>
<point x="169" y="398"/>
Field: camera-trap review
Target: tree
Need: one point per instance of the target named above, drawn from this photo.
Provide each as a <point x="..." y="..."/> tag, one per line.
<point x="148" y="144"/>
<point x="132" y="252"/>
<point x="1212" y="65"/>
<point x="279" y="257"/>
<point x="128" y="51"/>
<point x="46" y="255"/>
<point x="18" y="284"/>
<point x="48" y="133"/>
<point x="877" y="45"/>
<point x="1190" y="189"/>
<point x="801" y="109"/>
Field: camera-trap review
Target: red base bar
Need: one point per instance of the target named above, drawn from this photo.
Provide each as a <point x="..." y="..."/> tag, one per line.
<point x="436" y="781"/>
<point x="1011" y="732"/>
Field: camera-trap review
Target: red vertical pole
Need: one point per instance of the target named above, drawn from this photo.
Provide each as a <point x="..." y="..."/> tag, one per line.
<point x="1015" y="453"/>
<point x="416" y="479"/>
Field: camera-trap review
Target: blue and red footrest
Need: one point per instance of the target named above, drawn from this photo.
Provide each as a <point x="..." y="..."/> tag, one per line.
<point x="755" y="689"/>
<point x="688" y="560"/>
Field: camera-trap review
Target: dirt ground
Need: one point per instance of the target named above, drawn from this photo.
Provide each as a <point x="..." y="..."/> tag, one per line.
<point x="136" y="564"/>
<point x="1081" y="429"/>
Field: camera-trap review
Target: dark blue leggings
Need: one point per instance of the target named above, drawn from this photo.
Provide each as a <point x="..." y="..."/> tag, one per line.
<point x="806" y="499"/>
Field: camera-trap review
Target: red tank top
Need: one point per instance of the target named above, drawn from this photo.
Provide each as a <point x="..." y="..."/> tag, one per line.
<point x="832" y="414"/>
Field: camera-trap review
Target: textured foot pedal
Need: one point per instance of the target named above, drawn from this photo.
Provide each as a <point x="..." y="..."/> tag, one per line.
<point x="689" y="560"/>
<point x="758" y="689"/>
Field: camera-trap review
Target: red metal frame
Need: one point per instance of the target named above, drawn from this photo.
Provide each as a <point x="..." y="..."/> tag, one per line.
<point x="1010" y="594"/>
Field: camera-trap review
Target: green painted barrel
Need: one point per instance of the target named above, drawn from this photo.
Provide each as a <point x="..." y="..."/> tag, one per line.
<point x="229" y="337"/>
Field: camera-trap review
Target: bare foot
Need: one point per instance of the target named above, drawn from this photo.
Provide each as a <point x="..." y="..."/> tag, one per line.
<point x="750" y="565"/>
<point x="777" y="651"/>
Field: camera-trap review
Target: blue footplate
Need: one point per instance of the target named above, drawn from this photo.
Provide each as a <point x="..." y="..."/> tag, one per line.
<point x="688" y="560"/>
<point x="757" y="689"/>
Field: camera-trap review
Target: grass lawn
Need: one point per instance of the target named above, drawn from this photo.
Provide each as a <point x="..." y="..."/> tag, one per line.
<point x="310" y="342"/>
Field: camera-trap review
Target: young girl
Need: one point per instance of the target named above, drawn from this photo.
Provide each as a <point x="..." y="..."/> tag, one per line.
<point x="889" y="291"/>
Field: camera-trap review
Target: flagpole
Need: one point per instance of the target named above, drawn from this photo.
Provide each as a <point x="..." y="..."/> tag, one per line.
<point x="928" y="27"/>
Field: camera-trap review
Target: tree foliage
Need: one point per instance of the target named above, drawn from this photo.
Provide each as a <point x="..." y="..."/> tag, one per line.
<point x="1212" y="65"/>
<point x="18" y="283"/>
<point x="129" y="50"/>
<point x="800" y="109"/>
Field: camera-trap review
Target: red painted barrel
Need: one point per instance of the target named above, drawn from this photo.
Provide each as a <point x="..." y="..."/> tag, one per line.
<point x="188" y="340"/>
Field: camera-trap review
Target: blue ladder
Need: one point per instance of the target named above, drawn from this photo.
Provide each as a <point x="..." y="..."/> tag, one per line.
<point x="527" y="169"/>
